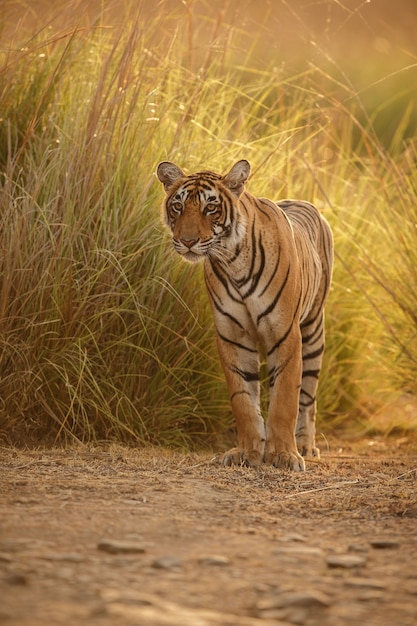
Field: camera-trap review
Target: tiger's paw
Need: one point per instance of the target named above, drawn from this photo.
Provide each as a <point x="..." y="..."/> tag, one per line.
<point x="309" y="451"/>
<point x="239" y="456"/>
<point x="286" y="460"/>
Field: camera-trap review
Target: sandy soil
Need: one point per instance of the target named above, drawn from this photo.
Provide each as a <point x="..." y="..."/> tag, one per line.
<point x="117" y="536"/>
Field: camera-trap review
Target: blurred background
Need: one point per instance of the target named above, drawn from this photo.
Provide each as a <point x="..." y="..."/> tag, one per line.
<point x="370" y="33"/>
<point x="105" y="333"/>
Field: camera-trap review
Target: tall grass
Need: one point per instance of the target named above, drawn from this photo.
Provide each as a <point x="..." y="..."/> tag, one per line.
<point x="104" y="332"/>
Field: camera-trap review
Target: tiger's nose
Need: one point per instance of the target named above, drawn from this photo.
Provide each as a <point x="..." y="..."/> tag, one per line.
<point x="189" y="243"/>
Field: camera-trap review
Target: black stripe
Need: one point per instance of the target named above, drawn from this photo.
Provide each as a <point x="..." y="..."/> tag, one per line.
<point x="276" y="371"/>
<point x="219" y="308"/>
<point x="206" y="186"/>
<point x="306" y="404"/>
<point x="237" y="344"/>
<point x="256" y="277"/>
<point x="299" y="204"/>
<point x="272" y="274"/>
<point x="313" y="355"/>
<point x="223" y="279"/>
<point x="311" y="373"/>
<point x="259" y="202"/>
<point x="239" y="393"/>
<point x="242" y="203"/>
<point x="236" y="253"/>
<point x="316" y="332"/>
<point x="247" y="376"/>
<point x="248" y="276"/>
<point x="310" y="399"/>
<point x="274" y="302"/>
<point x="281" y="340"/>
<point x="285" y="335"/>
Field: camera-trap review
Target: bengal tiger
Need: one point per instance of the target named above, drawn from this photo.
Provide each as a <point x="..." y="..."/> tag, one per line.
<point x="267" y="268"/>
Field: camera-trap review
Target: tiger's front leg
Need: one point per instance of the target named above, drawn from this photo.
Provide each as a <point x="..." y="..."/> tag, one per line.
<point x="285" y="366"/>
<point x="240" y="363"/>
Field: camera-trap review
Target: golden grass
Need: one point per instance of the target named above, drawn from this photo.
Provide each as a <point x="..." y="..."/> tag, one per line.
<point x="104" y="333"/>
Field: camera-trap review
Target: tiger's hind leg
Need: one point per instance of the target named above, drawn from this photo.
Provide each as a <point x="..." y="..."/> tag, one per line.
<point x="312" y="353"/>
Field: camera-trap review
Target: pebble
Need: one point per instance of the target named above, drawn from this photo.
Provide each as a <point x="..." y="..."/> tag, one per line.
<point x="287" y="617"/>
<point x="121" y="547"/>
<point x="166" y="562"/>
<point x="292" y="607"/>
<point x="293" y="537"/>
<point x="302" y="599"/>
<point x="346" y="561"/>
<point x="357" y="547"/>
<point x="214" y="559"/>
<point x="299" y="551"/>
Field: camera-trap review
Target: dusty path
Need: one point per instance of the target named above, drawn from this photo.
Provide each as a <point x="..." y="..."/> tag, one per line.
<point x="158" y="538"/>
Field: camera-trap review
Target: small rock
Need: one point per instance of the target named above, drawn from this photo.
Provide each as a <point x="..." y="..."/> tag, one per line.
<point x="293" y="537"/>
<point x="299" y="551"/>
<point x="166" y="562"/>
<point x="287" y="617"/>
<point x="121" y="547"/>
<point x="5" y="558"/>
<point x="214" y="559"/>
<point x="366" y="583"/>
<point x="346" y="561"/>
<point x="302" y="599"/>
<point x="384" y="544"/>
<point x="357" y="547"/>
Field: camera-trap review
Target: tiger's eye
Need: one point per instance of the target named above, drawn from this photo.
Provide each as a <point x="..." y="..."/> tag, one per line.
<point x="176" y="207"/>
<point x="210" y="209"/>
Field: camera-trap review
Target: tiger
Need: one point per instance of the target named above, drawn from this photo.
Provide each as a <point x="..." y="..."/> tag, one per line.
<point x="267" y="270"/>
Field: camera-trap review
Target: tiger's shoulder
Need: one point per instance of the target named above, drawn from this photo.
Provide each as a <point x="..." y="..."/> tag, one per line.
<point x="305" y="217"/>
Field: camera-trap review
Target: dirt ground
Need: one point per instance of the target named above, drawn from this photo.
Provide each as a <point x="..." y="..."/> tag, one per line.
<point x="114" y="536"/>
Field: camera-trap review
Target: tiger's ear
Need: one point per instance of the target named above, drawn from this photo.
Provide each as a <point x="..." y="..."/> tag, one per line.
<point x="235" y="180"/>
<point x="168" y="173"/>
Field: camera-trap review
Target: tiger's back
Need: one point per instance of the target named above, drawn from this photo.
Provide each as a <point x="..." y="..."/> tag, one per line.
<point x="267" y="272"/>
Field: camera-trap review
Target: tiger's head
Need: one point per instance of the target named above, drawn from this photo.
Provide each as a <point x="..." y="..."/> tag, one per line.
<point x="202" y="209"/>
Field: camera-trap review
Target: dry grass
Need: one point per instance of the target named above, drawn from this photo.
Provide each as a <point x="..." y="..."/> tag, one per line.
<point x="104" y="334"/>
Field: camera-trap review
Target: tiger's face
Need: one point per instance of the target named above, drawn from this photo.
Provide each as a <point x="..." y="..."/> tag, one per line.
<point x="202" y="210"/>
<point x="196" y="213"/>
